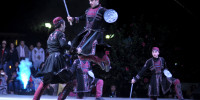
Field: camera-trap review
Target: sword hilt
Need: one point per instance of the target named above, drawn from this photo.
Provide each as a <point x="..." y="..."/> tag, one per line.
<point x="70" y="23"/>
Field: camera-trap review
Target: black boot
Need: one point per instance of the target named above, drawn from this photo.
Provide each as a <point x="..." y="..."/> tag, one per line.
<point x="39" y="91"/>
<point x="67" y="89"/>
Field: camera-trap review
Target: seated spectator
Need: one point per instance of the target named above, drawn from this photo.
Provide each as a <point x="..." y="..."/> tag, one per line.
<point x="113" y="92"/>
<point x="30" y="89"/>
<point x="3" y="83"/>
<point x="12" y="83"/>
<point x="17" y="83"/>
<point x="16" y="67"/>
<point x="37" y="81"/>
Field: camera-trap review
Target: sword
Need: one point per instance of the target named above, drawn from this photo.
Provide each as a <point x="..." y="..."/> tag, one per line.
<point x="131" y="90"/>
<point x="89" y="40"/>
<point x="67" y="11"/>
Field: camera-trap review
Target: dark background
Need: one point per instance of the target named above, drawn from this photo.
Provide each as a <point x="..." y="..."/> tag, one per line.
<point x="24" y="20"/>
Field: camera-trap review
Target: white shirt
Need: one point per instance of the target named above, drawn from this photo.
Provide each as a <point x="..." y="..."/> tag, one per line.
<point x="22" y="53"/>
<point x="38" y="55"/>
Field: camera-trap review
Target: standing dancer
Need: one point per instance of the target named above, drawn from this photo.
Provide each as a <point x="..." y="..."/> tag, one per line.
<point x="85" y="80"/>
<point x="159" y="81"/>
<point x="90" y="40"/>
<point x="56" y="45"/>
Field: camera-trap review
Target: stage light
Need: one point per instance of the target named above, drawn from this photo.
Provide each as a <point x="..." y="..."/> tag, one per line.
<point x="107" y="36"/>
<point x="111" y="36"/>
<point x="16" y="42"/>
<point x="48" y="25"/>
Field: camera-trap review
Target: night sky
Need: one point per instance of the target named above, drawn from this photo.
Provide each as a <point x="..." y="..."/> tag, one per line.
<point x="22" y="17"/>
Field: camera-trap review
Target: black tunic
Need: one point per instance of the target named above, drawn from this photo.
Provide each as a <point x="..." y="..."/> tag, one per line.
<point x="91" y="38"/>
<point x="157" y="77"/>
<point x="56" y="45"/>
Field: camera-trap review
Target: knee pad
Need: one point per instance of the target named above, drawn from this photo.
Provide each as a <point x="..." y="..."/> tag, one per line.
<point x="176" y="81"/>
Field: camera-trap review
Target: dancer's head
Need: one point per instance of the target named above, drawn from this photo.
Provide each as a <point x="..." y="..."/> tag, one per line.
<point x="59" y="23"/>
<point x="94" y="3"/>
<point x="155" y="52"/>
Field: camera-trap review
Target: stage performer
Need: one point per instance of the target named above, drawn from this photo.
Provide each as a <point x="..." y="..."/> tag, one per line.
<point x="56" y="45"/>
<point x="90" y="40"/>
<point x="86" y="80"/>
<point x="161" y="79"/>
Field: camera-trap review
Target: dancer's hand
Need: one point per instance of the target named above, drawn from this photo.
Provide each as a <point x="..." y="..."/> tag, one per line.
<point x="79" y="50"/>
<point x="70" y="19"/>
<point x="133" y="81"/>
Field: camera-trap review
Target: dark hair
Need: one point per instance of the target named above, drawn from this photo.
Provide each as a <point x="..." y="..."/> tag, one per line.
<point x="58" y="25"/>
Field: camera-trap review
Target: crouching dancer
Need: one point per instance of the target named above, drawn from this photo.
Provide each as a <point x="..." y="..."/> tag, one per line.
<point x="85" y="80"/>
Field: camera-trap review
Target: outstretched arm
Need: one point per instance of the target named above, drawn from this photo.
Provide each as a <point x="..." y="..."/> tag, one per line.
<point x="76" y="19"/>
<point x="141" y="72"/>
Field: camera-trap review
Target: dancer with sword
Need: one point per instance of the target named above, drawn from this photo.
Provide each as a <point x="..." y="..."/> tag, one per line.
<point x="90" y="40"/>
<point x="52" y="72"/>
<point x="161" y="78"/>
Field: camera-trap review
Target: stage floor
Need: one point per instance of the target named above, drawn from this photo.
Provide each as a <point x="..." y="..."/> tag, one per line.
<point x="45" y="97"/>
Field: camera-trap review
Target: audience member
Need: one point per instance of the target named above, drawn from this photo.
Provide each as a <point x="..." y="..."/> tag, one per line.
<point x="13" y="58"/>
<point x="4" y="56"/>
<point x="38" y="56"/>
<point x="23" y="51"/>
<point x="3" y="82"/>
<point x="12" y="83"/>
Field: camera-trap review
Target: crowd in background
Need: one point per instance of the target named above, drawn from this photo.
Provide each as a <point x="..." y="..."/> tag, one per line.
<point x="11" y="56"/>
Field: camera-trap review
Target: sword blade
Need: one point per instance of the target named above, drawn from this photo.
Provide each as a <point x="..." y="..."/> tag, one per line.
<point x="66" y="8"/>
<point x="67" y="11"/>
<point x="89" y="40"/>
<point x="131" y="90"/>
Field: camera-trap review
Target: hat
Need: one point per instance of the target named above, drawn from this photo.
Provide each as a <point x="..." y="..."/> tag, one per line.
<point x="156" y="48"/>
<point x="57" y="21"/>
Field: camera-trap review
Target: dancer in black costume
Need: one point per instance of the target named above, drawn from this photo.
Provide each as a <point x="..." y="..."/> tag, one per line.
<point x="56" y="45"/>
<point x="157" y="65"/>
<point x="82" y="70"/>
<point x="90" y="40"/>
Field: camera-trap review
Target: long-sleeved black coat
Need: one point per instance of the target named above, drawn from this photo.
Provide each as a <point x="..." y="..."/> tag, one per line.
<point x="56" y="45"/>
<point x="157" y="77"/>
<point x="91" y="38"/>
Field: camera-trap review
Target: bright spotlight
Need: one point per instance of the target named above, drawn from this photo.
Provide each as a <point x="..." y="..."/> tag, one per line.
<point x="48" y="25"/>
<point x="107" y="36"/>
